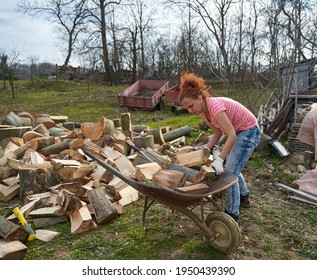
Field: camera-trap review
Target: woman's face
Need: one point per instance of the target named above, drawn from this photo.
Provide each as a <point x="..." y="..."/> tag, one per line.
<point x="194" y="106"/>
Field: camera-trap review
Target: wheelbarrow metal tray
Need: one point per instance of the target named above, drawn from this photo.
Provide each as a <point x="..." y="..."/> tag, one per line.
<point x="179" y="199"/>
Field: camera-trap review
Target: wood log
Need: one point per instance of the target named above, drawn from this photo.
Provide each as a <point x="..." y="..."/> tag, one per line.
<point x="140" y="128"/>
<point x="69" y="125"/>
<point x="47" y="221"/>
<point x="46" y="235"/>
<point x="144" y="141"/>
<point x="7" y="132"/>
<point x="26" y="209"/>
<point x="55" y="148"/>
<point x="41" y="128"/>
<point x="93" y="131"/>
<point x="205" y="173"/>
<point x="10" y="170"/>
<point x="110" y="153"/>
<point x="54" y="211"/>
<point x="12" y="250"/>
<point x="36" y="178"/>
<point x="81" y="221"/>
<point x="68" y="201"/>
<point x="152" y="156"/>
<point x="27" y="136"/>
<point x="193" y="158"/>
<point x="13" y="119"/>
<point x="41" y="142"/>
<point x="117" y="123"/>
<point x="46" y="121"/>
<point x="59" y="119"/>
<point x="26" y="115"/>
<point x="171" y="179"/>
<point x="58" y="131"/>
<point x="126" y="125"/>
<point x="128" y="195"/>
<point x="102" y="206"/>
<point x="16" y="154"/>
<point x="176" y="133"/>
<point x="10" y="191"/>
<point x="157" y="135"/>
<point x="124" y="164"/>
<point x="10" y="148"/>
<point x="101" y="174"/>
<point x="11" y="231"/>
<point x="191" y="173"/>
<point x="121" y="146"/>
<point x="71" y="169"/>
<point x="145" y="172"/>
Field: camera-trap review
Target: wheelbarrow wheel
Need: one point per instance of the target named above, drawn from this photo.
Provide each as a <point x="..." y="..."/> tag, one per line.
<point x="226" y="231"/>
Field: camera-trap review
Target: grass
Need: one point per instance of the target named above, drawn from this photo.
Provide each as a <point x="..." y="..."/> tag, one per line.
<point x="275" y="227"/>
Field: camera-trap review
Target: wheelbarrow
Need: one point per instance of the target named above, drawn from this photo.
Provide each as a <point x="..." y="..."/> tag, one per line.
<point x="221" y="230"/>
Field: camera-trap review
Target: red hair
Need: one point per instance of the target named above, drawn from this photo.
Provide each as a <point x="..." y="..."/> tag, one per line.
<point x="192" y="86"/>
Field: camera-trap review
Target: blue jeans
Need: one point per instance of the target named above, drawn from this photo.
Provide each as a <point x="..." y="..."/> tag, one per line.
<point x="236" y="161"/>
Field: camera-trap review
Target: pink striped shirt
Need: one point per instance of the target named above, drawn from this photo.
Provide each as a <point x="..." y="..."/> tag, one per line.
<point x="240" y="117"/>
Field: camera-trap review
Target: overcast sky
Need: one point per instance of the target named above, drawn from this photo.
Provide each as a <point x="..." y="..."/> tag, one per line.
<point x="26" y="35"/>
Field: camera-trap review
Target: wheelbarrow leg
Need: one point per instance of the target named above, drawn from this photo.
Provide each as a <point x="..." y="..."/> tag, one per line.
<point x="147" y="204"/>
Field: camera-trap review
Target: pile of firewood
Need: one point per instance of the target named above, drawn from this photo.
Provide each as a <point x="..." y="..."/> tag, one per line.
<point x="42" y="164"/>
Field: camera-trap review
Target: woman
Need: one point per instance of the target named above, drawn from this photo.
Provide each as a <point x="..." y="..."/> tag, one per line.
<point x="225" y="117"/>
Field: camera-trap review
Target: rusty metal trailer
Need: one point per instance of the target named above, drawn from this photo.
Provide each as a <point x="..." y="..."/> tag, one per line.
<point x="144" y="94"/>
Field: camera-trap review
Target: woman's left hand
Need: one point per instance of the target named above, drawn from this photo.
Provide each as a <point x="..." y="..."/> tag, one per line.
<point x="217" y="164"/>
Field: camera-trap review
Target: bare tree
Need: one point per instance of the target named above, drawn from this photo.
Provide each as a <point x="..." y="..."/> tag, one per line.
<point x="8" y="66"/>
<point x="33" y="59"/>
<point x="98" y="31"/>
<point x="70" y="15"/>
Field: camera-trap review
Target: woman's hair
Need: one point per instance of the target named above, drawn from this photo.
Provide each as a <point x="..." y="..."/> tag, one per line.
<point x="192" y="86"/>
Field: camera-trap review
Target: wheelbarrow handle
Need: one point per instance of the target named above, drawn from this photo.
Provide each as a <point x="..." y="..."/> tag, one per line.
<point x="111" y="169"/>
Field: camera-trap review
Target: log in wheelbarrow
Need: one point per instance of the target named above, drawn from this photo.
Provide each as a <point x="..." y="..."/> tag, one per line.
<point x="221" y="230"/>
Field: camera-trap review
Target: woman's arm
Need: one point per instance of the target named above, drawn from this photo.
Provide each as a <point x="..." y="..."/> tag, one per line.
<point x="228" y="130"/>
<point x="217" y="133"/>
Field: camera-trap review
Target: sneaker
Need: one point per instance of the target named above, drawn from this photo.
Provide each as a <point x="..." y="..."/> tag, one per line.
<point x="235" y="217"/>
<point x="244" y="201"/>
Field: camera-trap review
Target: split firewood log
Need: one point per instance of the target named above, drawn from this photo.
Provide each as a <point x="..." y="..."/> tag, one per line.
<point x="12" y="250"/>
<point x="171" y="179"/>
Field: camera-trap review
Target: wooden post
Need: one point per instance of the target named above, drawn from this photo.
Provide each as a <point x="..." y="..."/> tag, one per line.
<point x="126" y="125"/>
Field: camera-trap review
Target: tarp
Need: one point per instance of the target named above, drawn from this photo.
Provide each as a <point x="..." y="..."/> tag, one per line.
<point x="308" y="129"/>
<point x="308" y="182"/>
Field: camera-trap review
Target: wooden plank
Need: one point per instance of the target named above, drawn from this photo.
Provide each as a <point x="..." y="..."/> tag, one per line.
<point x="299" y="193"/>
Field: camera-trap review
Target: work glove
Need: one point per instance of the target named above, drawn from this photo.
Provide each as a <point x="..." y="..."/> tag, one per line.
<point x="217" y="164"/>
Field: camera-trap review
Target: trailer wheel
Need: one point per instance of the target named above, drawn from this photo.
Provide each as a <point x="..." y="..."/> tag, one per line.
<point x="226" y="231"/>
